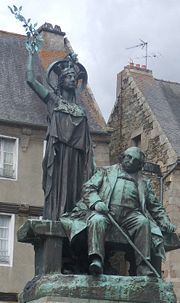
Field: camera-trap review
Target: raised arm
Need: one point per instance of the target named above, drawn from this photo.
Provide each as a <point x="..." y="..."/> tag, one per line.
<point x="40" y="89"/>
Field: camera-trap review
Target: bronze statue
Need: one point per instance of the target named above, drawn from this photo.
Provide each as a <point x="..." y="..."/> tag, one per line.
<point x="68" y="160"/>
<point x="123" y="192"/>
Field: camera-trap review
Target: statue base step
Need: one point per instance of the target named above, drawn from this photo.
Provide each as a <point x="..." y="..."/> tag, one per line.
<point x="93" y="289"/>
<point x="73" y="300"/>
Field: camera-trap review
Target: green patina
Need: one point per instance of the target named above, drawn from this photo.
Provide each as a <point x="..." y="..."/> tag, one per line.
<point x="129" y="289"/>
<point x="123" y="193"/>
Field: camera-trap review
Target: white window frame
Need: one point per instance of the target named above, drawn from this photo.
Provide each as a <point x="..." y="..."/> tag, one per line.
<point x="10" y="239"/>
<point x="15" y="158"/>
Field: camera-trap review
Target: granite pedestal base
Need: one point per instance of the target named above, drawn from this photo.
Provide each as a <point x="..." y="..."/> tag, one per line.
<point x="90" y="289"/>
<point x="50" y="285"/>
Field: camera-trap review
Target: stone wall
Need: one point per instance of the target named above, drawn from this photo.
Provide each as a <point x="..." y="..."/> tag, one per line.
<point x="27" y="189"/>
<point x="101" y="149"/>
<point x="171" y="267"/>
<point x="132" y="117"/>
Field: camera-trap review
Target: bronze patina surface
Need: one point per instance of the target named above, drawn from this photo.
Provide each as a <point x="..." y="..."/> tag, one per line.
<point x="122" y="191"/>
<point x="112" y="288"/>
<point x="68" y="160"/>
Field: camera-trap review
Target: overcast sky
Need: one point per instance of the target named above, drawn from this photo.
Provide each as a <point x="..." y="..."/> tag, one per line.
<point x="101" y="30"/>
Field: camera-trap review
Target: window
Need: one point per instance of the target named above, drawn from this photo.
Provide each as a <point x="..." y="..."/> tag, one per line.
<point x="136" y="141"/>
<point x="6" y="239"/>
<point x="8" y="157"/>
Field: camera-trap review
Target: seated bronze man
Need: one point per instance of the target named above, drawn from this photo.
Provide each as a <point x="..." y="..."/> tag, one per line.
<point x="124" y="192"/>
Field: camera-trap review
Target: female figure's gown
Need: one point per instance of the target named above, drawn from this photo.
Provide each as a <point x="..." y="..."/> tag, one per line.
<point x="68" y="160"/>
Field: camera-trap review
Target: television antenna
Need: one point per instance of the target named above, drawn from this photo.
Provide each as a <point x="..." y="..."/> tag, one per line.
<point x="142" y="45"/>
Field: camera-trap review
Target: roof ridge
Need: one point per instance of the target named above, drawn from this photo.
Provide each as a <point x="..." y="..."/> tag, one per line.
<point x="11" y="33"/>
<point x="167" y="81"/>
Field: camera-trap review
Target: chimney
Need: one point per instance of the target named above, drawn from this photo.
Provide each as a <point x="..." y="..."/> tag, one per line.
<point x="131" y="64"/>
<point x="138" y="65"/>
<point x="139" y="68"/>
<point x="53" y="47"/>
<point x="48" y="27"/>
<point x="53" y="37"/>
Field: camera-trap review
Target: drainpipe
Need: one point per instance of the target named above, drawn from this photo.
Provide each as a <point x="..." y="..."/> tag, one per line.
<point x="164" y="177"/>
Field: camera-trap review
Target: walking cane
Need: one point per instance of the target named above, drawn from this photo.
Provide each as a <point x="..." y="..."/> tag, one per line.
<point x="133" y="245"/>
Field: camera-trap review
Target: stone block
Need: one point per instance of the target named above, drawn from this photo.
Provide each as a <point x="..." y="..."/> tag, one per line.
<point x="174" y="264"/>
<point x="176" y="286"/>
<point x="70" y="300"/>
<point x="46" y="236"/>
<point x="155" y="132"/>
<point x="70" y="288"/>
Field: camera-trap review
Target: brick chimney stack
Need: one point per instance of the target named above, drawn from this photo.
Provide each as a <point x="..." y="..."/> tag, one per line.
<point x="138" y="68"/>
<point x="54" y="44"/>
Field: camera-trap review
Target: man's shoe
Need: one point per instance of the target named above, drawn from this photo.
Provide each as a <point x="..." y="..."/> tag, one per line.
<point x="96" y="267"/>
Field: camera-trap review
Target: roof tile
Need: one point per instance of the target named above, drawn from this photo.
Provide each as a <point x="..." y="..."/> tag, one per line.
<point x="18" y="102"/>
<point x="163" y="98"/>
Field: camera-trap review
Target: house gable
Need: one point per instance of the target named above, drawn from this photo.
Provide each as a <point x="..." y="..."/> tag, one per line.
<point x="143" y="109"/>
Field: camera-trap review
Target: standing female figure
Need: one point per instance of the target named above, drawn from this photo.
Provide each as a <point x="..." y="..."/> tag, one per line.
<point x="68" y="160"/>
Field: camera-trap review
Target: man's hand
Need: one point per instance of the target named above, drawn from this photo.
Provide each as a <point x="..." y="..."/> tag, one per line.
<point x="169" y="228"/>
<point x="101" y="207"/>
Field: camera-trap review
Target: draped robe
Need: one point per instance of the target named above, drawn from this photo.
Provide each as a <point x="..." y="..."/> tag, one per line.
<point x="68" y="160"/>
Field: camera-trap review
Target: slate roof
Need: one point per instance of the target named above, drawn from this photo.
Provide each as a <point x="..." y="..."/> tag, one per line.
<point x="18" y="103"/>
<point x="163" y="98"/>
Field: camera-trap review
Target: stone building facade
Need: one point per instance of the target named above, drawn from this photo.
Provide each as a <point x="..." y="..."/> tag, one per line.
<point x="147" y="114"/>
<point x="22" y="134"/>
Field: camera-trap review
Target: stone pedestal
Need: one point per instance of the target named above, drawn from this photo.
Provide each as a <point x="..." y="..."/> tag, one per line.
<point x="50" y="285"/>
<point x="46" y="236"/>
<point x="103" y="288"/>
